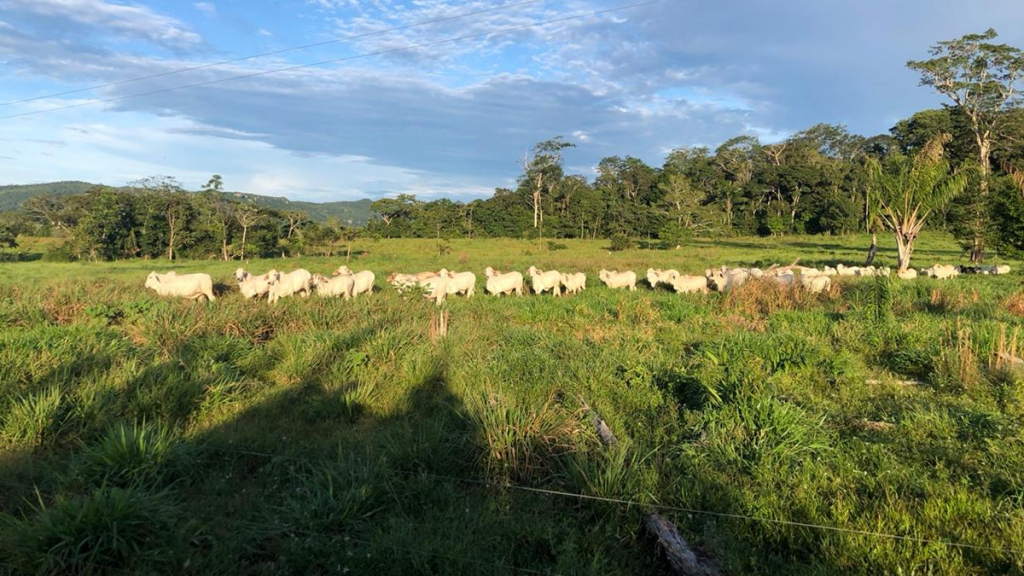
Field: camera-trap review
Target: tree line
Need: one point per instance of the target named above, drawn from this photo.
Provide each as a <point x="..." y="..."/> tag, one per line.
<point x="957" y="168"/>
<point x="157" y="218"/>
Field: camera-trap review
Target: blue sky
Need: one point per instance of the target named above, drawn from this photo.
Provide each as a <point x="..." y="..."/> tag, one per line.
<point x="451" y="119"/>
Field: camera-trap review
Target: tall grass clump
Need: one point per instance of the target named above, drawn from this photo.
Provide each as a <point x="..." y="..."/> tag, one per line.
<point x="956" y="365"/>
<point x="518" y="442"/>
<point x="880" y="304"/>
<point x="619" y="471"/>
<point x="330" y="495"/>
<point x="108" y="531"/>
<point x="137" y="453"/>
<point x="761" y="297"/>
<point x="36" y="419"/>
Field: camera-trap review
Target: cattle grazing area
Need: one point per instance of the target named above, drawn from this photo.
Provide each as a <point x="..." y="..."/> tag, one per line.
<point x="142" y="433"/>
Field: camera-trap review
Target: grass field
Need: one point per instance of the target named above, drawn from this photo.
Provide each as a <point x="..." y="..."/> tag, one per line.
<point x="321" y="437"/>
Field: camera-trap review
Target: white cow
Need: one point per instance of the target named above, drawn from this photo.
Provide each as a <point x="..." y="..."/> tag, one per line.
<point x="253" y="286"/>
<point x="498" y="283"/>
<point x="616" y="279"/>
<point x="574" y="283"/>
<point x="403" y="282"/>
<point x="656" y="276"/>
<point x="462" y="283"/>
<point x="684" y="284"/>
<point x="816" y="284"/>
<point x="725" y="279"/>
<point x="363" y="280"/>
<point x="543" y="281"/>
<point x="341" y="285"/>
<point x="847" y="270"/>
<point x="941" y="271"/>
<point x="908" y="274"/>
<point x="288" y="284"/>
<point x="436" y="287"/>
<point x="191" y="286"/>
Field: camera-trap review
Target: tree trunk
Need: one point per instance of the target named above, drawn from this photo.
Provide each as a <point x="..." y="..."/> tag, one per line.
<point x="872" y="251"/>
<point x="245" y="232"/>
<point x="224" y="247"/>
<point x="904" y="248"/>
<point x="984" y="156"/>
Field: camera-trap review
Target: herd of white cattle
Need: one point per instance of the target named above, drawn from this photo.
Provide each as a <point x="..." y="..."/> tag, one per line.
<point x="437" y="286"/>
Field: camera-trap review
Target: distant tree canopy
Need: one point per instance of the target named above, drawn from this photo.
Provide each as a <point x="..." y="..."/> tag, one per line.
<point x="156" y="218"/>
<point x="817" y="181"/>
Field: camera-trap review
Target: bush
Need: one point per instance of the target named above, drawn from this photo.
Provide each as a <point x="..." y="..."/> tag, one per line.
<point x="109" y="531"/>
<point x="552" y="245"/>
<point x="63" y="252"/>
<point x="621" y="242"/>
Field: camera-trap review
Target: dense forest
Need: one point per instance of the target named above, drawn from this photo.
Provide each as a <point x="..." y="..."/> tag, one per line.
<point x="822" y="180"/>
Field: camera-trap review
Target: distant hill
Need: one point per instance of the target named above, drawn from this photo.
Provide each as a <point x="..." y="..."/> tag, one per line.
<point x="355" y="212"/>
<point x="11" y="197"/>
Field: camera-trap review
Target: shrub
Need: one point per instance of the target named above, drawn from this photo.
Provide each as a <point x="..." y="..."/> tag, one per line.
<point x="111" y="530"/>
<point x="620" y="242"/>
<point x="552" y="245"/>
<point x="63" y="252"/>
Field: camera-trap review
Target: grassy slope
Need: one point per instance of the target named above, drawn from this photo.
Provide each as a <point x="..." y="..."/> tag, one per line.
<point x="752" y="404"/>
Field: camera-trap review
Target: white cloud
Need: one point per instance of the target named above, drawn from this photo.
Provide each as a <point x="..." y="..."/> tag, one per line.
<point x="126" y="20"/>
<point x="207" y="8"/>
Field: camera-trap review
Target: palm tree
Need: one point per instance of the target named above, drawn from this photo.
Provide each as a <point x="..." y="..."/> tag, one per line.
<point x="905" y="190"/>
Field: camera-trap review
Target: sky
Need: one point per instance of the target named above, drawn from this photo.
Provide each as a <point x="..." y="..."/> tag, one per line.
<point x="452" y="118"/>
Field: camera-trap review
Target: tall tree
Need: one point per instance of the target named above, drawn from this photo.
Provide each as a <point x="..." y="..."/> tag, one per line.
<point x="247" y="215"/>
<point x="218" y="212"/>
<point x="906" y="190"/>
<point x="170" y="199"/>
<point x="542" y="168"/>
<point x="981" y="79"/>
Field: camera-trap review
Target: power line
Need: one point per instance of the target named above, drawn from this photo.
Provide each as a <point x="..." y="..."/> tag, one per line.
<point x="274" y="52"/>
<point x="336" y="60"/>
